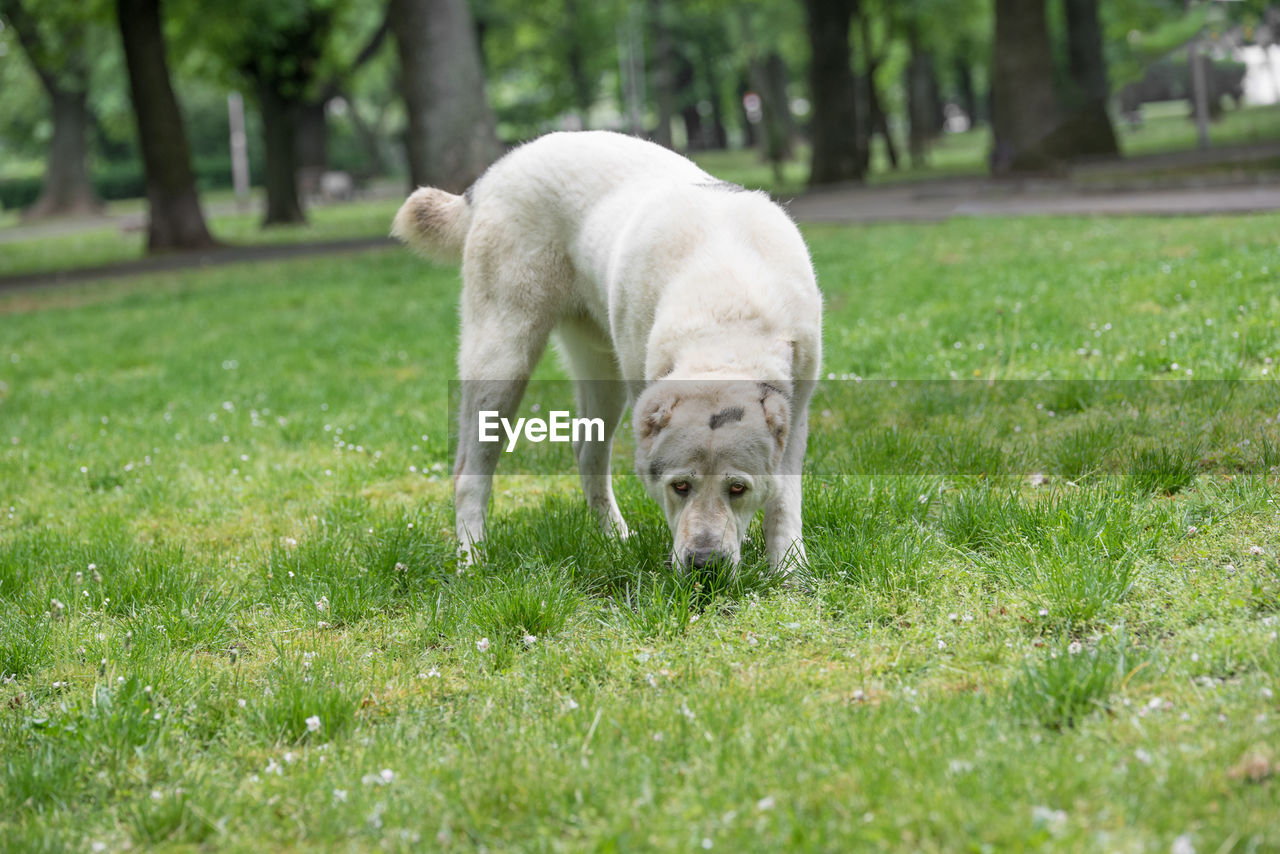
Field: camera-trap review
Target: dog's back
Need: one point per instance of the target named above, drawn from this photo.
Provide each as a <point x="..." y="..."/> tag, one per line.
<point x="561" y="176"/>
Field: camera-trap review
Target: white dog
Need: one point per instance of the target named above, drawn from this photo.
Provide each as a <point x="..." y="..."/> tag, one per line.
<point x="686" y="297"/>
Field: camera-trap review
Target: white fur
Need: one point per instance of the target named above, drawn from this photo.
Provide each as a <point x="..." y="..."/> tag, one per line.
<point x="645" y="267"/>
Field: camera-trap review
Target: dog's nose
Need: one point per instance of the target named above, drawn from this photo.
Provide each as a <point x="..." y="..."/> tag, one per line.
<point x="702" y="558"/>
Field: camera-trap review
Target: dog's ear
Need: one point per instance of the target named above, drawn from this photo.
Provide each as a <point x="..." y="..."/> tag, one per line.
<point x="777" y="415"/>
<point x="653" y="414"/>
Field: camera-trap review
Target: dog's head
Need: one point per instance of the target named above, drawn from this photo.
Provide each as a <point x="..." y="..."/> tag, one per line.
<point x="707" y="451"/>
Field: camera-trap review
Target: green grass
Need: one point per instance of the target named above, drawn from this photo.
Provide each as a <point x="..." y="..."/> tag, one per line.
<point x="94" y="245"/>
<point x="1165" y="129"/>
<point x="1040" y="614"/>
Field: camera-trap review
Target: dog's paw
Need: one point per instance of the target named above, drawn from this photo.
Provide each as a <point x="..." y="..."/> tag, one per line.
<point x="468" y="556"/>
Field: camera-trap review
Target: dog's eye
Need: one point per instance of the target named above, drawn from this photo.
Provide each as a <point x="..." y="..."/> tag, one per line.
<point x="681" y="487"/>
<point x="737" y="488"/>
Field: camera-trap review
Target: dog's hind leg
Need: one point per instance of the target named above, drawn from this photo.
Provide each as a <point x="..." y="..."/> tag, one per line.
<point x="496" y="357"/>
<point x="602" y="398"/>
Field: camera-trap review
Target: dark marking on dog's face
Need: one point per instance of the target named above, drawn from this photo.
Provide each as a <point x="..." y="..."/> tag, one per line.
<point x="656" y="468"/>
<point x="728" y="415"/>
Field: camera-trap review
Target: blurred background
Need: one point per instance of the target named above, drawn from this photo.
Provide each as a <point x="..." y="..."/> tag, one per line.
<point x="141" y="125"/>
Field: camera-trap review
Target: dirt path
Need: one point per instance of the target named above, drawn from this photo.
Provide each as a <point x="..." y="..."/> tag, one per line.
<point x="930" y="201"/>
<point x="188" y="260"/>
<point x="978" y="198"/>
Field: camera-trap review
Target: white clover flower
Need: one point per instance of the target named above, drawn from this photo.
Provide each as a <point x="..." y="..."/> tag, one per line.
<point x="1256" y="550"/>
<point x="1075" y="647"/>
<point x="241" y="703"/>
<point x="313" y="723"/>
<point x="382" y="778"/>
<point x="765" y="803"/>
<point x="1055" y="819"/>
<point x="339" y="796"/>
<point x="322" y="604"/>
<point x="530" y="640"/>
<point x="483" y="644"/>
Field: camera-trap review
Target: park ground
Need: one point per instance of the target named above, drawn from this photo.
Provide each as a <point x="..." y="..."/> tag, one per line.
<point x="1041" y="613"/>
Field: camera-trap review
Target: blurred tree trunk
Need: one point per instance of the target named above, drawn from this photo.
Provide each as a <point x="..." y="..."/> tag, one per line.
<point x="313" y="118"/>
<point x="282" y="85"/>
<point x="174" y="218"/>
<point x="750" y="131"/>
<point x="67" y="188"/>
<point x="877" y="121"/>
<point x="584" y="90"/>
<point x="835" y="129"/>
<point x="1087" y="129"/>
<point x="280" y="118"/>
<point x="370" y="139"/>
<point x="1024" y="105"/>
<point x="313" y="134"/>
<point x="694" y="132"/>
<point x="451" y="135"/>
<point x="663" y="74"/>
<point x="769" y="79"/>
<point x="312" y="144"/>
<point x="924" y="112"/>
<point x="964" y="86"/>
<point x="718" y="135"/>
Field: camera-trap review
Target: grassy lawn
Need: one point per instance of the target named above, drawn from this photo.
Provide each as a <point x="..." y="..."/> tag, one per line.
<point x="1165" y="128"/>
<point x="230" y="615"/>
<point x="106" y="244"/>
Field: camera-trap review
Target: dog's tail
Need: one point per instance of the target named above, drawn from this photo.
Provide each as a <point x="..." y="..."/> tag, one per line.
<point x="433" y="223"/>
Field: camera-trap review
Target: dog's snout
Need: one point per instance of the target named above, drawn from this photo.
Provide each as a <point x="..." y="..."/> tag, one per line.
<point x="702" y="558"/>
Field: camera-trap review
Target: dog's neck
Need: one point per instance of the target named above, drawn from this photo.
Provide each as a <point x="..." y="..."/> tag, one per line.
<point x="727" y="360"/>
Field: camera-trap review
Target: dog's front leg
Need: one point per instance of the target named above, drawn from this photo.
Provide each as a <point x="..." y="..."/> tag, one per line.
<point x="783" y="528"/>
<point x="783" y="523"/>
